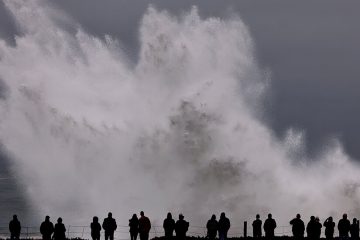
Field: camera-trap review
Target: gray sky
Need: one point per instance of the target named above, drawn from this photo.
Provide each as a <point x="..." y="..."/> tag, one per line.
<point x="310" y="47"/>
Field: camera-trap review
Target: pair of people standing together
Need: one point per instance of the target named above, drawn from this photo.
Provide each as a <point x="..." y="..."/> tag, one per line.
<point x="139" y="226"/>
<point x="48" y="231"/>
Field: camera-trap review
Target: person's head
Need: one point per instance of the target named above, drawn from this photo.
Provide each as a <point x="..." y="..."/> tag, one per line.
<point x="213" y="217"/>
<point x="134" y="216"/>
<point x="142" y="213"/>
<point x="169" y="216"/>
<point x="312" y="218"/>
<point x="330" y="219"/>
<point x="298" y="216"/>
<point x="354" y="220"/>
<point x="344" y="216"/>
<point x="110" y="215"/>
<point x="15" y="217"/>
<point x="181" y="217"/>
<point x="59" y="220"/>
<point x="95" y="219"/>
<point x="47" y="218"/>
<point x="222" y="215"/>
<point x="270" y="215"/>
<point x="317" y="219"/>
<point x="257" y="216"/>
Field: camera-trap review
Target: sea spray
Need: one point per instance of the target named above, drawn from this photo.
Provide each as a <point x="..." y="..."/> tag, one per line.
<point x="89" y="133"/>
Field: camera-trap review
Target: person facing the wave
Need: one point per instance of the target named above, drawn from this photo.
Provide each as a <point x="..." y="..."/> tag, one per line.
<point x="134" y="227"/>
<point x="46" y="229"/>
<point x="15" y="228"/>
<point x="344" y="227"/>
<point x="144" y="226"/>
<point x="109" y="225"/>
<point x="317" y="229"/>
<point x="257" y="223"/>
<point x="224" y="226"/>
<point x="329" y="228"/>
<point x="354" y="229"/>
<point x="310" y="228"/>
<point x="169" y="226"/>
<point x="298" y="227"/>
<point x="269" y="227"/>
<point x="95" y="228"/>
<point x="59" y="230"/>
<point x="212" y="227"/>
<point x="181" y="227"/>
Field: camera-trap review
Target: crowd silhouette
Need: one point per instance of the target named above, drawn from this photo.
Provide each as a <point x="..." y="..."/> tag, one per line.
<point x="215" y="228"/>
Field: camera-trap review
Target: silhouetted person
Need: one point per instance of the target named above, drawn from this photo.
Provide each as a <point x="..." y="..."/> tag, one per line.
<point x="224" y="226"/>
<point x="298" y="227"/>
<point x="134" y="227"/>
<point x="46" y="229"/>
<point x="344" y="227"/>
<point x="59" y="230"/>
<point x="212" y="227"/>
<point x="354" y="229"/>
<point x="169" y="226"/>
<point x="257" y="232"/>
<point x="269" y="226"/>
<point x="15" y="228"/>
<point x="329" y="228"/>
<point x="144" y="226"/>
<point x="317" y="230"/>
<point x="310" y="228"/>
<point x="95" y="229"/>
<point x="181" y="227"/>
<point x="109" y="225"/>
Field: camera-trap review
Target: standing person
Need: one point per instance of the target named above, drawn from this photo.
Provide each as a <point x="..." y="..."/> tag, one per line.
<point x="269" y="227"/>
<point x="181" y="227"/>
<point x="144" y="226"/>
<point x="317" y="229"/>
<point x="224" y="226"/>
<point x="354" y="229"/>
<point x="109" y="225"/>
<point x="212" y="227"/>
<point x="298" y="227"/>
<point x="169" y="226"/>
<point x="329" y="228"/>
<point x="46" y="229"/>
<point x="59" y="231"/>
<point x="15" y="228"/>
<point x="134" y="227"/>
<point x="95" y="229"/>
<point x="344" y="227"/>
<point x="310" y="228"/>
<point x="257" y="223"/>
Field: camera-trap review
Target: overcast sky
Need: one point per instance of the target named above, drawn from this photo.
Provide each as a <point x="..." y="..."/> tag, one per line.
<point x="310" y="47"/>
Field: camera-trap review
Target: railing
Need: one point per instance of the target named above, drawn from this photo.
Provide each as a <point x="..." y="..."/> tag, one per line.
<point x="122" y="232"/>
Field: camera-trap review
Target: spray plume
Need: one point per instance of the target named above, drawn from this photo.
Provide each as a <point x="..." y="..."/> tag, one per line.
<point x="89" y="133"/>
